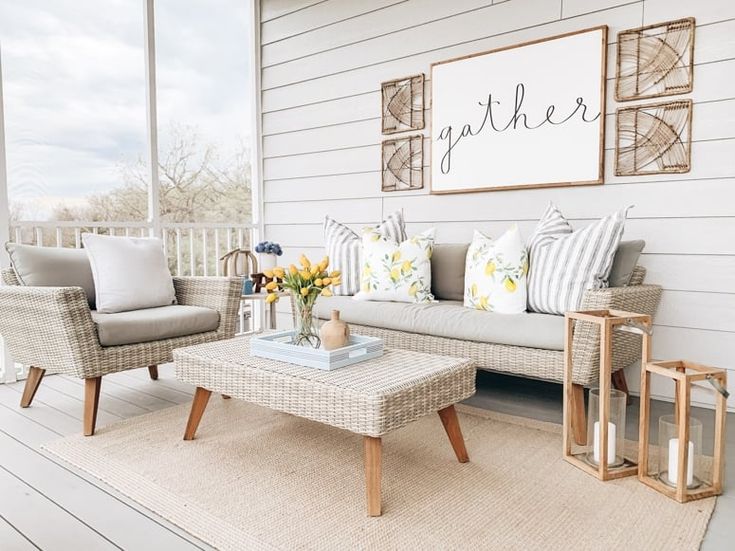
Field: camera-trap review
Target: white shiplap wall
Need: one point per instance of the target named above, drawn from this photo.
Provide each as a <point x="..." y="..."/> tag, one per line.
<point x="322" y="65"/>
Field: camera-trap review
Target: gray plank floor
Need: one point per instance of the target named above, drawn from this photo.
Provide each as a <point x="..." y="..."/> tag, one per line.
<point x="45" y="504"/>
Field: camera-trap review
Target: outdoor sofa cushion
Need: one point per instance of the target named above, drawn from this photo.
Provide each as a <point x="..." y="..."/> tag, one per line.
<point x="452" y="320"/>
<point x="447" y="270"/>
<point x="52" y="267"/>
<point x="153" y="324"/>
<point x="625" y="261"/>
<point x="448" y="264"/>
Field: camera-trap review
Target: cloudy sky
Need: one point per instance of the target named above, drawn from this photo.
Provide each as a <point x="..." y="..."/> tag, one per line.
<point x="74" y="88"/>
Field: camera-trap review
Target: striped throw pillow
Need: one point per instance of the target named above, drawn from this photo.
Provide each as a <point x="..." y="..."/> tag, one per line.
<point x="565" y="263"/>
<point x="344" y="248"/>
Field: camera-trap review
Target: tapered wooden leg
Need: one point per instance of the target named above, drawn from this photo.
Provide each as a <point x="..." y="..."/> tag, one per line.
<point x="201" y="397"/>
<point x="91" y="403"/>
<point x="35" y="374"/>
<point x="373" y="473"/>
<point x="619" y="383"/>
<point x="451" y="425"/>
<point x="226" y="397"/>
<point x="579" y="419"/>
<point x="153" y="372"/>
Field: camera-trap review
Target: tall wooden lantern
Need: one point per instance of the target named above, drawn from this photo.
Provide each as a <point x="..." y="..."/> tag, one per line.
<point x="679" y="468"/>
<point x="602" y="452"/>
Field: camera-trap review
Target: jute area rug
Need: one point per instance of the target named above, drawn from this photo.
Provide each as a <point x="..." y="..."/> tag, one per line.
<point x="258" y="479"/>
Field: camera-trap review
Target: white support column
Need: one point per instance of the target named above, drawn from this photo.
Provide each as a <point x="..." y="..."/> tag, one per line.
<point x="7" y="367"/>
<point x="256" y="154"/>
<point x="154" y="207"/>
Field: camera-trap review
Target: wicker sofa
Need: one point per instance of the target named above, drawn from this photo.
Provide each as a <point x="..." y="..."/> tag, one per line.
<point x="526" y="345"/>
<point x="53" y="329"/>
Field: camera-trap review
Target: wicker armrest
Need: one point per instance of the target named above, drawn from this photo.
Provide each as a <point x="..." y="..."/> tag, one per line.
<point x="49" y="327"/>
<point x="218" y="293"/>
<point x="641" y="299"/>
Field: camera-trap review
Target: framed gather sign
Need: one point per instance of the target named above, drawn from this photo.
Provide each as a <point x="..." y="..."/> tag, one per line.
<point x="524" y="116"/>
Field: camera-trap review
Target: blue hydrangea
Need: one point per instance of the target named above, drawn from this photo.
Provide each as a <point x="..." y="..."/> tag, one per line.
<point x="269" y="247"/>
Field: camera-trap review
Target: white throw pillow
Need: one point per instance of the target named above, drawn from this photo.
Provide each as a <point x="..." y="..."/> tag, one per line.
<point x="129" y="273"/>
<point x="398" y="272"/>
<point x="344" y="248"/>
<point x="565" y="263"/>
<point x="495" y="273"/>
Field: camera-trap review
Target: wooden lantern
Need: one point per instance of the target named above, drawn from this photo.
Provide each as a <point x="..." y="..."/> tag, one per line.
<point x="679" y="474"/>
<point x="600" y="462"/>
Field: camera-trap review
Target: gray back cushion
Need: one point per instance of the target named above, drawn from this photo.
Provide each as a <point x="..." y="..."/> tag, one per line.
<point x="52" y="267"/>
<point x="447" y="270"/>
<point x="626" y="258"/>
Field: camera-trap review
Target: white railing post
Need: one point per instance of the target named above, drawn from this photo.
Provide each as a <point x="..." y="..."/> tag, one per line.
<point x="154" y="197"/>
<point x="7" y="366"/>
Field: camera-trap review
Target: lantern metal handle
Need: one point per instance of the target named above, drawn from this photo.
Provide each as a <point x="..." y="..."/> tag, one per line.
<point x="633" y="326"/>
<point x="718" y="386"/>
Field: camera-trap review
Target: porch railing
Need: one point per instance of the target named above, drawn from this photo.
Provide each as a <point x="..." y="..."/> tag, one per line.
<point x="191" y="248"/>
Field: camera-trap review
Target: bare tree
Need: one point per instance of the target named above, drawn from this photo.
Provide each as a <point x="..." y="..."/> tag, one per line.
<point x="196" y="185"/>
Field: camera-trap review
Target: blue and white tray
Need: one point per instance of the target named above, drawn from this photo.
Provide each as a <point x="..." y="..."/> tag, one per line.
<point x="278" y="346"/>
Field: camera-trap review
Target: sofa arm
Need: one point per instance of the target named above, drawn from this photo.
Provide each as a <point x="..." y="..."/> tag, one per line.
<point x="626" y="347"/>
<point x="218" y="293"/>
<point x="50" y="328"/>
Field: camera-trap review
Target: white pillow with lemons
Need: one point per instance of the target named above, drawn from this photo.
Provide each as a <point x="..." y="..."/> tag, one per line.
<point x="495" y="273"/>
<point x="398" y="272"/>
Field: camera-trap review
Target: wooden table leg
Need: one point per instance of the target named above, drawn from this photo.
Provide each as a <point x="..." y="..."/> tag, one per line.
<point x="449" y="419"/>
<point x="373" y="473"/>
<point x="201" y="397"/>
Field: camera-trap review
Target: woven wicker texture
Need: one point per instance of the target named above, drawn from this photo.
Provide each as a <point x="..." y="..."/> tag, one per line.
<point x="371" y="398"/>
<point x="52" y="328"/>
<point x="257" y="479"/>
<point x="537" y="363"/>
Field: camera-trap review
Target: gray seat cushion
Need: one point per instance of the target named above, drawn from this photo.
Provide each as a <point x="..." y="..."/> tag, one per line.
<point x="154" y="324"/>
<point x="451" y="320"/>
<point x="447" y="270"/>
<point x="52" y="267"/>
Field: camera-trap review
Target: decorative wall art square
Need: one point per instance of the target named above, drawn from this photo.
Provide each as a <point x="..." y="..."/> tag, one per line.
<point x="403" y="161"/>
<point x="656" y="60"/>
<point x="403" y="104"/>
<point x="653" y="139"/>
<point x="524" y="116"/>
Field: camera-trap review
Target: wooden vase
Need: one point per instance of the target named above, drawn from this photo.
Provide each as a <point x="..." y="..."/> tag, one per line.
<point x="335" y="333"/>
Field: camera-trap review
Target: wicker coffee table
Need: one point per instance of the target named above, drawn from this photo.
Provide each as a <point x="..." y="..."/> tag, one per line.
<point x="370" y="398"/>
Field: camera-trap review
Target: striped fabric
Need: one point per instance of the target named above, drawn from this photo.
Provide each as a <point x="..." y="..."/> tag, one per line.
<point x="565" y="263"/>
<point x="344" y="248"/>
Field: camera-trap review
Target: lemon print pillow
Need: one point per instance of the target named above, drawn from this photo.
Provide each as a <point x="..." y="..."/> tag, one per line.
<point x="397" y="272"/>
<point x="495" y="273"/>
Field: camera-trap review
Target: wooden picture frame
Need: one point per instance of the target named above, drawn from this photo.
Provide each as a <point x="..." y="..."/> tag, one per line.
<point x="656" y="60"/>
<point x="402" y="104"/>
<point x="654" y="138"/>
<point x="514" y="167"/>
<point x="402" y="163"/>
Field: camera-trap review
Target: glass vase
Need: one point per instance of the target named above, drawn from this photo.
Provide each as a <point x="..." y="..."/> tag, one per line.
<point x="615" y="428"/>
<point x="306" y="330"/>
<point x="668" y="455"/>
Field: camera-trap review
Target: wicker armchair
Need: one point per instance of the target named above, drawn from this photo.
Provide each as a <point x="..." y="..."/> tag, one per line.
<point x="51" y="329"/>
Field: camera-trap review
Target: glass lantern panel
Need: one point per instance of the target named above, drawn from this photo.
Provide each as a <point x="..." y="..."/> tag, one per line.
<point x="615" y="428"/>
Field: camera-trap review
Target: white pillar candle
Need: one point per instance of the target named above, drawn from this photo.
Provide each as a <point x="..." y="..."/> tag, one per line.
<point x="674" y="462"/>
<point x="611" y="437"/>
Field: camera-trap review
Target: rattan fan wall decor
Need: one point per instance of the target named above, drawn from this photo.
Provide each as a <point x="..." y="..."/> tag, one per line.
<point x="653" y="139"/>
<point x="403" y="104"/>
<point x="403" y="161"/>
<point x="656" y="60"/>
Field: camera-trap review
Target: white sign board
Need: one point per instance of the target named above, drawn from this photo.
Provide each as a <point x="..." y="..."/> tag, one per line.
<point x="530" y="115"/>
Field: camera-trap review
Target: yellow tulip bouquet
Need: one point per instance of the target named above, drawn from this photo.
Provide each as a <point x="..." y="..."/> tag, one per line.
<point x="305" y="284"/>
